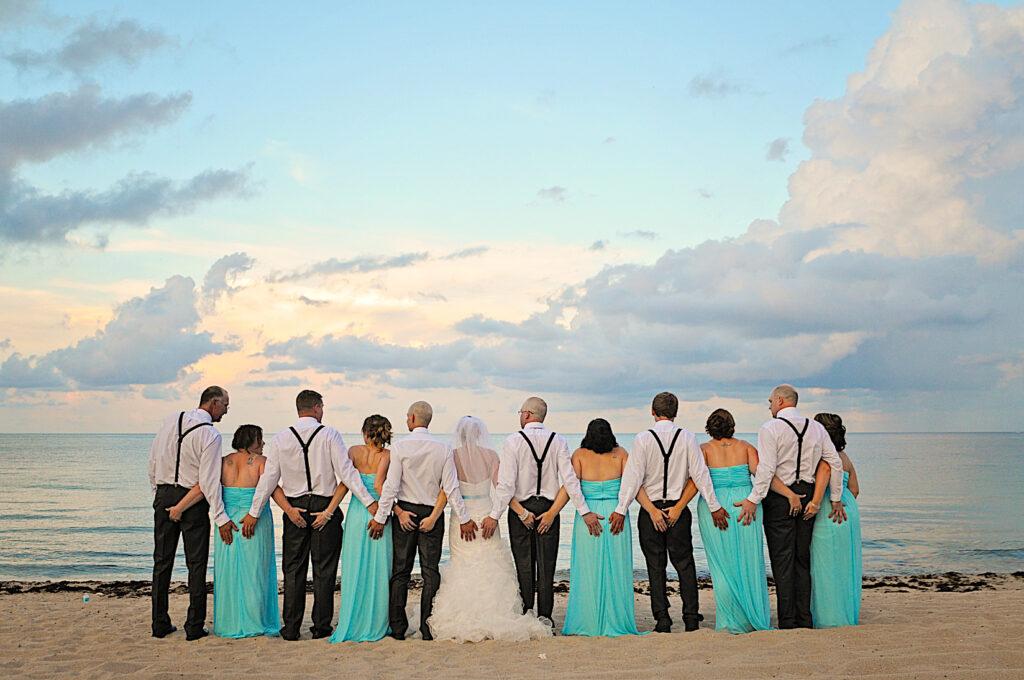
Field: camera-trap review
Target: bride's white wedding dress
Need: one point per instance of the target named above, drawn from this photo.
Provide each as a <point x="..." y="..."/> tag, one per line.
<point x="479" y="594"/>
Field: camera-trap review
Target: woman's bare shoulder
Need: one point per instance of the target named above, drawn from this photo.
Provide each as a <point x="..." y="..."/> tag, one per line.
<point x="619" y="452"/>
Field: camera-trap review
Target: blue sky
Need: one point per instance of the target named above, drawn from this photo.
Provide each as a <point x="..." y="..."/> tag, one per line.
<point x="564" y="139"/>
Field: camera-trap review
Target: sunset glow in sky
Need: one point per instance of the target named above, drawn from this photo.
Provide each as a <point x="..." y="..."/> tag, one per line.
<point x="590" y="202"/>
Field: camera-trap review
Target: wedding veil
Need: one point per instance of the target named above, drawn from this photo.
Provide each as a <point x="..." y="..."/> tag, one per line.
<point x="475" y="458"/>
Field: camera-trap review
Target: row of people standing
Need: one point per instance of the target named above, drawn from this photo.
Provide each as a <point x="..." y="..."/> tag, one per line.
<point x="601" y="485"/>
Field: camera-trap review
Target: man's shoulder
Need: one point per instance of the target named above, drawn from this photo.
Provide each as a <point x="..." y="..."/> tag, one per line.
<point x="514" y="438"/>
<point x="643" y="437"/>
<point x="819" y="428"/>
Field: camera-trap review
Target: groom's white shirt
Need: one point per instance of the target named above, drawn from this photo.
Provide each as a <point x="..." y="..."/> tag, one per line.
<point x="776" y="452"/>
<point x="517" y="471"/>
<point x="421" y="465"/>
<point x="646" y="468"/>
<point x="200" y="459"/>
<point x="329" y="465"/>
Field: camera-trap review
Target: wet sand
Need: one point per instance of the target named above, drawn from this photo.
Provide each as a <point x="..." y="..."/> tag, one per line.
<point x="927" y="626"/>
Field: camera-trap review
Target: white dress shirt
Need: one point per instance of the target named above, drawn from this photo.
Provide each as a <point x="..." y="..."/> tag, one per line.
<point x="329" y="465"/>
<point x="776" y="451"/>
<point x="420" y="467"/>
<point x="646" y="468"/>
<point x="517" y="470"/>
<point x="200" y="459"/>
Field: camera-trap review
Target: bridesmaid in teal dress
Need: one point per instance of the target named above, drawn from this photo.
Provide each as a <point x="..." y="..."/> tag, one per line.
<point x="836" y="568"/>
<point x="245" y="572"/>
<point x="736" y="555"/>
<point x="601" y="567"/>
<point x="366" y="563"/>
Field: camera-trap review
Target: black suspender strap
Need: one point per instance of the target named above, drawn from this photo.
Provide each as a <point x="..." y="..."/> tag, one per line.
<point x="665" y="455"/>
<point x="799" y="440"/>
<point x="305" y="455"/>
<point x="181" y="438"/>
<point x="538" y="461"/>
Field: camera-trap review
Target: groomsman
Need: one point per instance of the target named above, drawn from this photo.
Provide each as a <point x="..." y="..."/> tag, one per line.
<point x="310" y="462"/>
<point x="789" y="446"/>
<point x="186" y="452"/>
<point x="421" y="466"/>
<point x="663" y="459"/>
<point x="535" y="463"/>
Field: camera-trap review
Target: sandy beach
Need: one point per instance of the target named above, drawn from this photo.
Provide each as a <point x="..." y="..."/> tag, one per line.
<point x="941" y="626"/>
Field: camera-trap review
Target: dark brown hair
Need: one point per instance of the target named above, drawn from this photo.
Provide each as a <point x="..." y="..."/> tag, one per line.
<point x="377" y="430"/>
<point x="246" y="436"/>
<point x="720" y="424"/>
<point x="835" y="428"/>
<point x="308" y="399"/>
<point x="599" y="437"/>
<point x="665" y="405"/>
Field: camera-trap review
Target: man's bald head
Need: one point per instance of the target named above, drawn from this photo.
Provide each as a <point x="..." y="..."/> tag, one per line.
<point x="420" y="414"/>
<point x="534" y="409"/>
<point x="781" y="397"/>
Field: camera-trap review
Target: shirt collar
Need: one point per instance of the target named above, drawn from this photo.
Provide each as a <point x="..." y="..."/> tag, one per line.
<point x="665" y="426"/>
<point x="533" y="426"/>
<point x="420" y="432"/>
<point x="200" y="415"/>
<point x="306" y="422"/>
<point x="788" y="413"/>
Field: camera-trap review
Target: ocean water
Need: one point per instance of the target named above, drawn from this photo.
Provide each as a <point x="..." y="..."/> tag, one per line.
<point x="78" y="506"/>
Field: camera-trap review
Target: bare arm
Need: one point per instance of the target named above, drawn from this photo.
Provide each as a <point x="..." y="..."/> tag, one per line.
<point x="382" y="472"/>
<point x="752" y="460"/>
<point x="293" y="514"/>
<point x="428" y="522"/>
<point x="822" y="475"/>
<point x="323" y="517"/>
<point x="853" y="484"/>
<point x="193" y="496"/>
<point x="522" y="513"/>
<point x="546" y="519"/>
<point x="778" y="487"/>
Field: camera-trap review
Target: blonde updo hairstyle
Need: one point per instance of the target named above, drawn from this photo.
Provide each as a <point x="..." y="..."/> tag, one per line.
<point x="377" y="430"/>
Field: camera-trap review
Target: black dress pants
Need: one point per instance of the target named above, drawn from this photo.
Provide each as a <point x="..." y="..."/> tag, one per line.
<point x="406" y="545"/>
<point x="195" y="527"/>
<point x="535" y="555"/>
<point x="675" y="544"/>
<point x="789" y="548"/>
<point x="298" y="547"/>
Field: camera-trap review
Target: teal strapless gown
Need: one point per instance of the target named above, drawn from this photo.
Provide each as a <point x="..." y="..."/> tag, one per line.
<point x="601" y="571"/>
<point x="245" y="574"/>
<point x="836" y="568"/>
<point x="735" y="556"/>
<point x="365" y="570"/>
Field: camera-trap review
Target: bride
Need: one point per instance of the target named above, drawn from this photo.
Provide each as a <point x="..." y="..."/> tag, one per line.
<point x="479" y="594"/>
